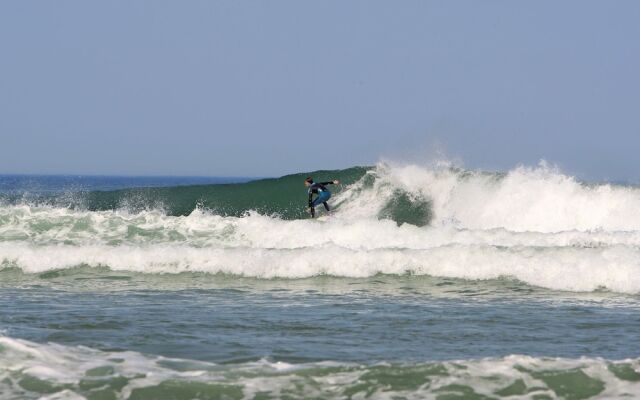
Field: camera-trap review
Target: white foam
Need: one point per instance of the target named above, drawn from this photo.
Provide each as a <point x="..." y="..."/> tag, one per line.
<point x="539" y="199"/>
<point x="48" y="226"/>
<point x="533" y="224"/>
<point x="561" y="268"/>
<point x="67" y="365"/>
<point x="21" y="358"/>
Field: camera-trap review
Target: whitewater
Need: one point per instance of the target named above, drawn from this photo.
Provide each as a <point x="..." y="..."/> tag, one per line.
<point x="425" y="281"/>
<point x="535" y="225"/>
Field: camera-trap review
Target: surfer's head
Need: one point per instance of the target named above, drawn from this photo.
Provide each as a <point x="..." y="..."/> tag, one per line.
<point x="308" y="181"/>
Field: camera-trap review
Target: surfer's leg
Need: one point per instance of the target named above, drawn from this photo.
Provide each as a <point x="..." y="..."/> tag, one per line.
<point x="326" y="196"/>
<point x="321" y="199"/>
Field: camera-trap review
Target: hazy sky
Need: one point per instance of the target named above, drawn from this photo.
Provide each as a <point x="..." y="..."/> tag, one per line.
<point x="260" y="88"/>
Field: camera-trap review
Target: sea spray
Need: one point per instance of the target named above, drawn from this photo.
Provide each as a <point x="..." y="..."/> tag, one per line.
<point x="535" y="225"/>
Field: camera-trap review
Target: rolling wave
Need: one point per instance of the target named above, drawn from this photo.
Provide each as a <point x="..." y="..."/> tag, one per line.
<point x="535" y="225"/>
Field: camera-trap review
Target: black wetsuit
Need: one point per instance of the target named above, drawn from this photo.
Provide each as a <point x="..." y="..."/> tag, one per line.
<point x="323" y="195"/>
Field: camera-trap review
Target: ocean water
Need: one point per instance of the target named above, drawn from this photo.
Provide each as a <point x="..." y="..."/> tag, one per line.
<point x="424" y="282"/>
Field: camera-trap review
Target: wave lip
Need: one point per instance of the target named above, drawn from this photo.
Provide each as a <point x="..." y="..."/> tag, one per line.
<point x="31" y="370"/>
<point x="525" y="199"/>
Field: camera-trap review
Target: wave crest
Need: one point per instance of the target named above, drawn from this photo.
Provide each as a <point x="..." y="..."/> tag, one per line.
<point x="536" y="199"/>
<point x="531" y="224"/>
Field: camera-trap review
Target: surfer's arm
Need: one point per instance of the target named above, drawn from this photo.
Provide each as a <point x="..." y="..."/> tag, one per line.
<point x="310" y="199"/>
<point x="330" y="183"/>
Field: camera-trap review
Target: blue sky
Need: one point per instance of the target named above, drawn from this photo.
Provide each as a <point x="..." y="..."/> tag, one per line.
<point x="261" y="88"/>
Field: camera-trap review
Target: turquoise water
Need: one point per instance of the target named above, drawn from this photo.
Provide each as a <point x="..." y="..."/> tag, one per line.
<point x="148" y="303"/>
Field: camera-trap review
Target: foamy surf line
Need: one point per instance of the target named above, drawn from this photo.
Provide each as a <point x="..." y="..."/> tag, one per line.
<point x="535" y="225"/>
<point x="50" y="226"/>
<point x="559" y="268"/>
<point x="32" y="370"/>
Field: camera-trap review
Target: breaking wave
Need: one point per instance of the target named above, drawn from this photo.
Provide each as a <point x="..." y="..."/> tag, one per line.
<point x="533" y="224"/>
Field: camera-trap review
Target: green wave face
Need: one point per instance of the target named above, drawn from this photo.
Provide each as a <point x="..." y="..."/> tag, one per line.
<point x="285" y="196"/>
<point x="402" y="208"/>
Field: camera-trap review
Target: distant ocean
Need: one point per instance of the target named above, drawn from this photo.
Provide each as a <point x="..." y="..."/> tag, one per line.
<point x="424" y="282"/>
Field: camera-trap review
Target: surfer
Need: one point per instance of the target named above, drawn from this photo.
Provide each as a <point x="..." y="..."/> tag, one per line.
<point x="321" y="190"/>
